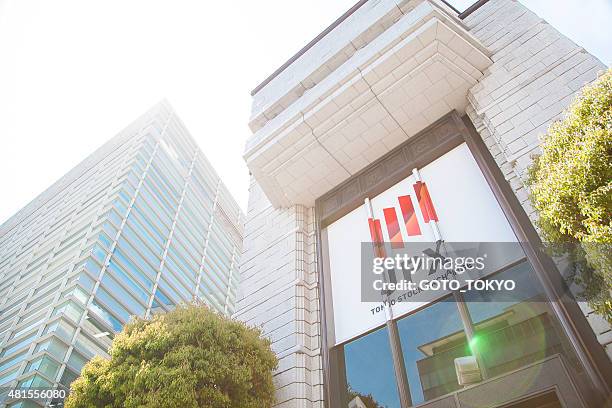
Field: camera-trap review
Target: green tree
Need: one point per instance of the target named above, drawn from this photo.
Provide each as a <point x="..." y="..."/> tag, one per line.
<point x="189" y="357"/>
<point x="571" y="188"/>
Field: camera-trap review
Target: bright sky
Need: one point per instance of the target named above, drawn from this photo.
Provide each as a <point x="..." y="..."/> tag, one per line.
<point x="75" y="72"/>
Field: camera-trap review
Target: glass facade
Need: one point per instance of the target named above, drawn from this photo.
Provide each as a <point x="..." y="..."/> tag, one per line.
<point x="138" y="227"/>
<point x="370" y="357"/>
<point x="429" y="360"/>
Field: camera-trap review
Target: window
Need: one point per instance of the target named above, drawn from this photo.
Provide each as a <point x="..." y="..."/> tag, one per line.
<point x="143" y="248"/>
<point x="515" y="328"/>
<point x="78" y="293"/>
<point x="192" y="245"/>
<point x="188" y="273"/>
<point x="76" y="361"/>
<point x="44" y="365"/>
<point x="126" y="279"/>
<point x="92" y="267"/>
<point x="12" y="361"/>
<point x="511" y="329"/>
<point x="158" y="205"/>
<point x="106" y="316"/>
<point x="35" y="381"/>
<point x="171" y="278"/>
<point x="179" y="251"/>
<point x="152" y="210"/>
<point x="115" y="306"/>
<point x="7" y="316"/>
<point x="98" y="330"/>
<point x="161" y="299"/>
<point x="212" y="273"/>
<point x="54" y="347"/>
<point x="369" y="370"/>
<point x="84" y="280"/>
<point x="431" y="339"/>
<point x="132" y="268"/>
<point x="69" y="309"/>
<point x="68" y="377"/>
<point x="156" y="244"/>
<point x="115" y="218"/>
<point x="110" y="230"/>
<point x="30" y="325"/>
<point x="120" y="207"/>
<point x="142" y="263"/>
<point x="98" y="253"/>
<point x="168" y="289"/>
<point x="7" y="377"/>
<point x="105" y="240"/>
<point x="61" y="329"/>
<point x="23" y="343"/>
<point x="159" y="230"/>
<point x="118" y="291"/>
<point x="88" y="346"/>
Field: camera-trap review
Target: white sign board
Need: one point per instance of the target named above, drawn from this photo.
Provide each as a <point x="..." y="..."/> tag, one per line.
<point x="466" y="211"/>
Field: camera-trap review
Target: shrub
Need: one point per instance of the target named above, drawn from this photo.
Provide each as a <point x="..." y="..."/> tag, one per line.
<point x="571" y="188"/>
<point x="189" y="357"/>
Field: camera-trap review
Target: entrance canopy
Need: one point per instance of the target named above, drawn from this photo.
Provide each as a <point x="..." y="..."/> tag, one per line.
<point x="380" y="76"/>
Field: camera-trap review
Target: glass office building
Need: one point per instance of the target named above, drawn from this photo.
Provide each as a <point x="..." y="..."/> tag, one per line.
<point x="142" y="224"/>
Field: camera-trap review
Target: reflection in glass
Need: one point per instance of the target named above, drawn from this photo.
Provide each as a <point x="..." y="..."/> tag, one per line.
<point x="68" y="377"/>
<point x="369" y="371"/>
<point x="514" y="328"/>
<point x="431" y="340"/>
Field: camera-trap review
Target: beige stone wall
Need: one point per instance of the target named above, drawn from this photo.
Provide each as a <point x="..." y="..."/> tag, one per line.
<point x="279" y="293"/>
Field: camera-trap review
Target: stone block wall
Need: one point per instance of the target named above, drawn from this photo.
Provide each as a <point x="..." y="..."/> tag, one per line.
<point x="536" y="73"/>
<point x="279" y="293"/>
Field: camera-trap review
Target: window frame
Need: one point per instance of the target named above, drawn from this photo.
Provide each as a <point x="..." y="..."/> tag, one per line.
<point x="449" y="132"/>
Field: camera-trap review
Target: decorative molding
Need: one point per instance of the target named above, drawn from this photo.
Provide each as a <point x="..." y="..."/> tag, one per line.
<point x="426" y="146"/>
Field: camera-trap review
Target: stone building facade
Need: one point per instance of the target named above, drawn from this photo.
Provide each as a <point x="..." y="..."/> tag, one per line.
<point x="380" y="77"/>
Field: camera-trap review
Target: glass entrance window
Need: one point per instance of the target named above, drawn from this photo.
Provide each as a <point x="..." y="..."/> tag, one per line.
<point x="515" y="328"/>
<point x="369" y="371"/>
<point x="431" y="339"/>
<point x="512" y="329"/>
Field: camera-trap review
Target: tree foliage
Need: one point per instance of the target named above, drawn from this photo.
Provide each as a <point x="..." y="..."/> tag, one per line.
<point x="366" y="399"/>
<point x="571" y="188"/>
<point x="189" y="357"/>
